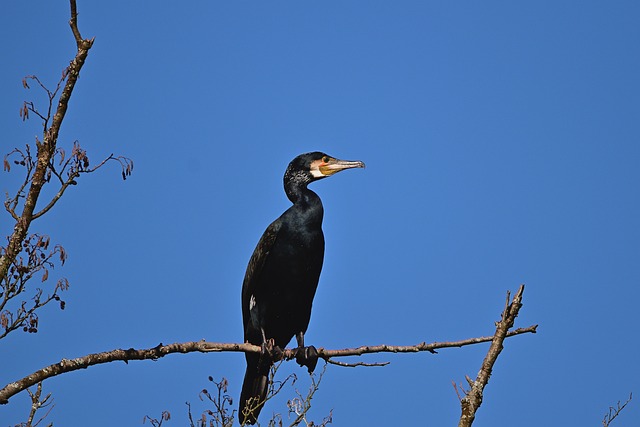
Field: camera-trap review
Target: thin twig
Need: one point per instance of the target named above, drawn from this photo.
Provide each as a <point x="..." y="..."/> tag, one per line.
<point x="353" y="365"/>
<point x="71" y="180"/>
<point x="73" y="22"/>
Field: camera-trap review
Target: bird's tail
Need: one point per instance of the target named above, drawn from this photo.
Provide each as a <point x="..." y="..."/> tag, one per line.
<point x="254" y="391"/>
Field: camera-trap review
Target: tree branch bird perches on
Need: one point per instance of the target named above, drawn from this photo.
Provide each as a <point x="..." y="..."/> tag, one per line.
<point x="282" y="277"/>
<point x="162" y="350"/>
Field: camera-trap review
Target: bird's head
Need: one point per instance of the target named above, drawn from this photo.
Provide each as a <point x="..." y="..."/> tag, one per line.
<point x="318" y="165"/>
<point x="313" y="166"/>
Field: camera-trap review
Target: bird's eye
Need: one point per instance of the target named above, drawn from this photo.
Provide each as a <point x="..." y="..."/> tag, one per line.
<point x="325" y="159"/>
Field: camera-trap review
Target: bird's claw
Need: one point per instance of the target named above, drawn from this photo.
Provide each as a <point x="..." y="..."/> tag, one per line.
<point x="307" y="356"/>
<point x="270" y="352"/>
<point x="277" y="354"/>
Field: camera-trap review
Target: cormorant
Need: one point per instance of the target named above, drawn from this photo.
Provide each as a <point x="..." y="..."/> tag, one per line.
<point x="282" y="277"/>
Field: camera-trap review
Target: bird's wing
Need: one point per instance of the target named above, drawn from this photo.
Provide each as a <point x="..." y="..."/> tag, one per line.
<point x="256" y="264"/>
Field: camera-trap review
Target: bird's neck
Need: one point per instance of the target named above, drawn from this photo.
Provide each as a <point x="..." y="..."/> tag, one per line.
<point x="300" y="194"/>
<point x="308" y="205"/>
<point x="296" y="188"/>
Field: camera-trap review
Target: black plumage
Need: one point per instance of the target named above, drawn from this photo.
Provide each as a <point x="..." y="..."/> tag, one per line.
<point x="282" y="277"/>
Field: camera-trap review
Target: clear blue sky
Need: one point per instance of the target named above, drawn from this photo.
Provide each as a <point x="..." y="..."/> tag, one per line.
<point x="502" y="143"/>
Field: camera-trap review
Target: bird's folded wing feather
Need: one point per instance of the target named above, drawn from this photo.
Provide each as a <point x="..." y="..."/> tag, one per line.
<point x="256" y="263"/>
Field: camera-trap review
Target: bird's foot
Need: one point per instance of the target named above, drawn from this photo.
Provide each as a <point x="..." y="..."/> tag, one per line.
<point x="277" y="354"/>
<point x="307" y="356"/>
<point x="270" y="353"/>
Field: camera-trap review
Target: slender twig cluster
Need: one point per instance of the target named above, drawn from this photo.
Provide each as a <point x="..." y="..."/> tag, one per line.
<point x="28" y="254"/>
<point x="300" y="405"/>
<point x="615" y="411"/>
<point x="221" y="414"/>
<point x="37" y="403"/>
<point x="36" y="257"/>
<point x="155" y="422"/>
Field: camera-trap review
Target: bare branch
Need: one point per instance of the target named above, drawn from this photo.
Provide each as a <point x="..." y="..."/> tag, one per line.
<point x="166" y="416"/>
<point x="73" y="23"/>
<point x="39" y="169"/>
<point x="80" y="166"/>
<point x="37" y="403"/>
<point x="300" y="405"/>
<point x="46" y="148"/>
<point x="221" y="415"/>
<point x="431" y="348"/>
<point x="473" y="399"/>
<point x="67" y="183"/>
<point x="27" y="161"/>
<point x="36" y="257"/>
<point x="161" y="350"/>
<point x="614" y="412"/>
<point x="353" y="365"/>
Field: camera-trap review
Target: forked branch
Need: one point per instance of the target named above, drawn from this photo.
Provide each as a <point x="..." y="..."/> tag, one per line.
<point x="473" y="398"/>
<point x="46" y="148"/>
<point x="49" y="161"/>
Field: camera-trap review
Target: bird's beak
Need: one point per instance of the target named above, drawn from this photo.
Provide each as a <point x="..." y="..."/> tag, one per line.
<point x="336" y="165"/>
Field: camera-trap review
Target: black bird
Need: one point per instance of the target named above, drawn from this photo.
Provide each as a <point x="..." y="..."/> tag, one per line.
<point x="282" y="277"/>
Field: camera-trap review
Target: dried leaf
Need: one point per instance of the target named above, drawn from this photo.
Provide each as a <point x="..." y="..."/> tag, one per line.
<point x="63" y="284"/>
<point x="24" y="112"/>
<point x="45" y="276"/>
<point x="63" y="254"/>
<point x="25" y="84"/>
<point x="7" y="165"/>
